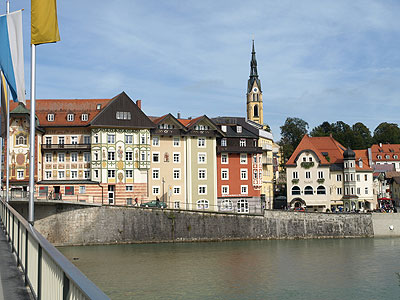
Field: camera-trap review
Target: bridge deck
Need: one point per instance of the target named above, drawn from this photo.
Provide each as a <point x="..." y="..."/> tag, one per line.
<point x="11" y="283"/>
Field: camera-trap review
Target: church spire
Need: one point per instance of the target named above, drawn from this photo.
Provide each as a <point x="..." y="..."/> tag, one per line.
<point x="253" y="63"/>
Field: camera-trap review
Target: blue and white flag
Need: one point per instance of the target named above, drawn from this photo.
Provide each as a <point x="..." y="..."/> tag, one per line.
<point x="12" y="54"/>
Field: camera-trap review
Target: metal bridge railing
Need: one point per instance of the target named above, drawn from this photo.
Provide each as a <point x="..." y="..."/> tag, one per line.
<point x="47" y="272"/>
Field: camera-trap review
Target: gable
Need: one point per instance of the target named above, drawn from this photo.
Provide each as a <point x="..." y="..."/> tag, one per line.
<point x="122" y="112"/>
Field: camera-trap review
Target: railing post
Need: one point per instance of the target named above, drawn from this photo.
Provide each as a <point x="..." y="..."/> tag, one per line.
<point x="18" y="243"/>
<point x="39" y="282"/>
<point x="65" y="287"/>
<point x="26" y="257"/>
<point x="12" y="235"/>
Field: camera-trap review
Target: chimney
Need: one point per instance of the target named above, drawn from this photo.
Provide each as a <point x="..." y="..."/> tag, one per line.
<point x="139" y="103"/>
<point x="178" y="115"/>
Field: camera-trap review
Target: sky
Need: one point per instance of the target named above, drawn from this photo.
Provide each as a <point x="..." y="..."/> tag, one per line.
<point x="317" y="60"/>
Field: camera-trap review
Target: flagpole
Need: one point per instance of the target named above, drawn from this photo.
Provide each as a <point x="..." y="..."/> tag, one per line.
<point x="8" y="133"/>
<point x="32" y="138"/>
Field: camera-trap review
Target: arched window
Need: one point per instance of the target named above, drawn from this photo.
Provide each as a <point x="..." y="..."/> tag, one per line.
<point x="21" y="139"/>
<point x="308" y="190"/>
<point x="256" y="110"/>
<point x="254" y="97"/>
<point x="202" y="204"/>
<point x="226" y="205"/>
<point x="321" y="190"/>
<point x="295" y="190"/>
<point x="243" y="206"/>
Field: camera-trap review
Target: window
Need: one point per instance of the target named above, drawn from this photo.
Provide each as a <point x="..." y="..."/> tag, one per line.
<point x="84" y="117"/>
<point x="202" y="158"/>
<point x="176" y="205"/>
<point x="61" y="140"/>
<point x="239" y="129"/>
<point x="156" y="173"/>
<point x="86" y="139"/>
<point x="225" y="189"/>
<point x="123" y="115"/>
<point x="69" y="190"/>
<point x="201" y="142"/>
<point x="224" y="174"/>
<point x="156" y="190"/>
<point x="351" y="177"/>
<point x="86" y="174"/>
<point x="61" y="174"/>
<point x="86" y="156"/>
<point x="358" y="191"/>
<point x="202" y="189"/>
<point x="74" y="156"/>
<point x="47" y="174"/>
<point x="74" y="140"/>
<point x="110" y="138"/>
<point x="223" y="142"/>
<point x="242" y="206"/>
<point x="129" y="201"/>
<point x="143" y="139"/>
<point x="308" y="174"/>
<point x="61" y="157"/>
<point x="304" y="158"/>
<point x="143" y="156"/>
<point x="177" y="190"/>
<point x="310" y="158"/>
<point x="50" y="117"/>
<point x="96" y="139"/>
<point x="48" y="140"/>
<point x="74" y="174"/>
<point x="202" y="174"/>
<point x="339" y="191"/>
<point x="366" y="191"/>
<point x="176" y="157"/>
<point x="70" y="117"/>
<point x="242" y="143"/>
<point x="98" y="106"/>
<point x="295" y="175"/>
<point x="339" y="177"/>
<point x="20" y="174"/>
<point x="202" y="204"/>
<point x="387" y="156"/>
<point x="308" y="190"/>
<point x="243" y="158"/>
<point x="226" y="204"/>
<point x="156" y="141"/>
<point x="111" y="173"/>
<point x="96" y="156"/>
<point x="129" y="173"/>
<point x="156" y="157"/>
<point x="346" y="176"/>
<point x="320" y="174"/>
<point x="177" y="174"/>
<point x="129" y="155"/>
<point x="347" y="191"/>
<point x="129" y="139"/>
<point x="379" y="157"/>
<point x="295" y="190"/>
<point x="21" y="139"/>
<point x="96" y="173"/>
<point x="395" y="157"/>
<point x="365" y="177"/>
<point x="48" y="157"/>
<point x="321" y="190"/>
<point x="129" y="188"/>
<point x="358" y="177"/>
<point x="176" y="142"/>
<point x="111" y="155"/>
<point x="243" y="174"/>
<point x="243" y="189"/>
<point x="224" y="159"/>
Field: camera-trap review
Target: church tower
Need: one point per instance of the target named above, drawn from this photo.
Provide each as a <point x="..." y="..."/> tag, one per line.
<point x="254" y="93"/>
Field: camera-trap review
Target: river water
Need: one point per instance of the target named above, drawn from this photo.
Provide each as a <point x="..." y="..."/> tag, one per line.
<point x="276" y="269"/>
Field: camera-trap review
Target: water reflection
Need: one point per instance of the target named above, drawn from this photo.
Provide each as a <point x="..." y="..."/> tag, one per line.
<point x="292" y="269"/>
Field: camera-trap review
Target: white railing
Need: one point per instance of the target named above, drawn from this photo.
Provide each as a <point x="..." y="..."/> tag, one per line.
<point x="47" y="272"/>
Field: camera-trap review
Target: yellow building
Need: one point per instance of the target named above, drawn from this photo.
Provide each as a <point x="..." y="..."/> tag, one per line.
<point x="265" y="140"/>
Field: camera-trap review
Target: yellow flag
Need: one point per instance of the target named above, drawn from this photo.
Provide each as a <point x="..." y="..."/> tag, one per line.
<point x="4" y="104"/>
<point x="44" y="25"/>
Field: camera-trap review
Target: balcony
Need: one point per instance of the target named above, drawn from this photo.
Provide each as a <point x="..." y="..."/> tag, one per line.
<point x="238" y="149"/>
<point x="166" y="132"/>
<point x="267" y="161"/>
<point x="47" y="147"/>
<point x="267" y="147"/>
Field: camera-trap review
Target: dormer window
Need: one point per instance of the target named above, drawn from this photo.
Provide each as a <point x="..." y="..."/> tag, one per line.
<point x="223" y="128"/>
<point x="395" y="156"/>
<point x="379" y="157"/>
<point x="98" y="107"/>
<point x="360" y="163"/>
<point x="50" y="117"/>
<point x="84" y="117"/>
<point x="387" y="156"/>
<point x="70" y="117"/>
<point x="239" y="129"/>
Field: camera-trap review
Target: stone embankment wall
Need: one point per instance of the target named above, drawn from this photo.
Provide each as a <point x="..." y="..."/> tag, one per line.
<point x="76" y="225"/>
<point x="386" y="225"/>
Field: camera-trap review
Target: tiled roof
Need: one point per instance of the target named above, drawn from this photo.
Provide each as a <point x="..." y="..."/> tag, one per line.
<point x="325" y="147"/>
<point x="62" y="107"/>
<point x="387" y="152"/>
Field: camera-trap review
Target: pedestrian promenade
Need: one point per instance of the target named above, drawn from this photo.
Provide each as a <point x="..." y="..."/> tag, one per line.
<point x="11" y="282"/>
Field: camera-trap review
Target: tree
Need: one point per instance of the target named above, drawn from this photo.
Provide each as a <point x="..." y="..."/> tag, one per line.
<point x="362" y="136"/>
<point x="343" y="133"/>
<point x="291" y="134"/>
<point x="325" y="129"/>
<point x="387" y="133"/>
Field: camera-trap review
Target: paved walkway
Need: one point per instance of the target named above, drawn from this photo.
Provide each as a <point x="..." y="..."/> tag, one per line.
<point x="11" y="283"/>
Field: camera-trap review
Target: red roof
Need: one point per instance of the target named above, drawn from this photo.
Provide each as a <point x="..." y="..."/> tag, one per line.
<point x="387" y="152"/>
<point x="62" y="107"/>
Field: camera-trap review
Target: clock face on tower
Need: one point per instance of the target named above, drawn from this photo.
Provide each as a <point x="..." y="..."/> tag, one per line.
<point x="255" y="90"/>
